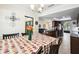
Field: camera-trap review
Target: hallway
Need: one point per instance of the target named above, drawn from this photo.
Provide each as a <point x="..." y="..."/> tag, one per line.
<point x="65" y="46"/>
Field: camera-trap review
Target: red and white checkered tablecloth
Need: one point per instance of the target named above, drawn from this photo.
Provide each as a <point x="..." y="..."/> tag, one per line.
<point x="17" y="46"/>
<point x="44" y="41"/>
<point x="21" y="44"/>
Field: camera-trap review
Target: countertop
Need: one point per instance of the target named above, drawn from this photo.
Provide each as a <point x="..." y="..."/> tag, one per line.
<point x="75" y="34"/>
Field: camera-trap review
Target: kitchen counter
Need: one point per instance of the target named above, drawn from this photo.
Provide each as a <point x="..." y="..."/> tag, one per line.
<point x="74" y="35"/>
<point x="74" y="41"/>
<point x="75" y="32"/>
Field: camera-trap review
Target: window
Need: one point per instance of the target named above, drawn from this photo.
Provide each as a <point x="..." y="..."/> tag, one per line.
<point x="67" y="25"/>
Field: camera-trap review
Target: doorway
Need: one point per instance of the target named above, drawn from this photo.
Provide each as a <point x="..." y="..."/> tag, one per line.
<point x="67" y="26"/>
<point x="29" y="22"/>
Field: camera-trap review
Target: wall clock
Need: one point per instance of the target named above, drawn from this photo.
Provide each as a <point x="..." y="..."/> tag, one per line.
<point x="36" y="22"/>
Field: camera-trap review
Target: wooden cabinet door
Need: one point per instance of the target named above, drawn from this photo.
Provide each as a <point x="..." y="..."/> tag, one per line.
<point x="74" y="45"/>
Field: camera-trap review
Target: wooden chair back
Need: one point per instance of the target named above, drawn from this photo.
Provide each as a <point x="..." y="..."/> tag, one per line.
<point x="9" y="36"/>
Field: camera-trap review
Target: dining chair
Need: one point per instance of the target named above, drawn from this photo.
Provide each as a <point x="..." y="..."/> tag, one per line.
<point x="9" y="36"/>
<point x="54" y="49"/>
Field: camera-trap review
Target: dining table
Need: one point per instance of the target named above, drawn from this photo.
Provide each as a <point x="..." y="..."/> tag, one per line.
<point x="21" y="44"/>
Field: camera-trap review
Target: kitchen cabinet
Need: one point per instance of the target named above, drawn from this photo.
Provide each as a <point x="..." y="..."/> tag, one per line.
<point x="74" y="45"/>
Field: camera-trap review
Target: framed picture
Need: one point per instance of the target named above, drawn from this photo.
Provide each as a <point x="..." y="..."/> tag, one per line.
<point x="39" y="25"/>
<point x="36" y="22"/>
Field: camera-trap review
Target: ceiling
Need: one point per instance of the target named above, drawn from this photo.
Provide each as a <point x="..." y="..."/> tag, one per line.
<point x="24" y="6"/>
<point x="71" y="12"/>
<point x="46" y="6"/>
<point x="19" y="6"/>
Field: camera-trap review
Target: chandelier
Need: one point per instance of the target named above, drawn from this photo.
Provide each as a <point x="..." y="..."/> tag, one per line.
<point x="37" y="7"/>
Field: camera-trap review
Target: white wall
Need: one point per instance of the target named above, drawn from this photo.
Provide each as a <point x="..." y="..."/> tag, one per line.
<point x="5" y="23"/>
<point x="47" y="22"/>
<point x="36" y="18"/>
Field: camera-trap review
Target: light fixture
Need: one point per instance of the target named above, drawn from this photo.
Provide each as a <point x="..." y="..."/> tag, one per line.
<point x="32" y="7"/>
<point x="37" y="8"/>
<point x="40" y="10"/>
<point x="42" y="5"/>
<point x="13" y="17"/>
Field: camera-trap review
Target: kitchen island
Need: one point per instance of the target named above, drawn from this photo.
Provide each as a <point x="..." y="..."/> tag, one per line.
<point x="74" y="42"/>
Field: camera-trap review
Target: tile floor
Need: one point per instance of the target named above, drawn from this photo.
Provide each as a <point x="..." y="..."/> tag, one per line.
<point x="65" y="46"/>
